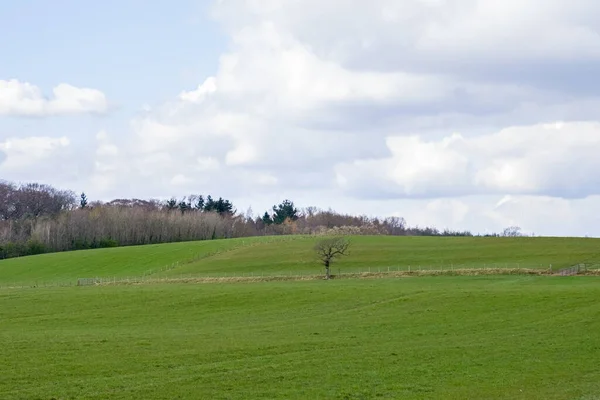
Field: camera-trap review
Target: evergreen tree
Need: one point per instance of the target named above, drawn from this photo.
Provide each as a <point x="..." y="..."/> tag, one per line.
<point x="210" y="204"/>
<point x="183" y="206"/>
<point x="224" y="207"/>
<point x="199" y="203"/>
<point x="284" y="211"/>
<point x="171" y="204"/>
<point x="266" y="219"/>
<point x="221" y="206"/>
<point x="83" y="202"/>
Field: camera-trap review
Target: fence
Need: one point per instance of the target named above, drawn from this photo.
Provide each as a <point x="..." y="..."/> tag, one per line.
<point x="166" y="274"/>
<point x="574" y="270"/>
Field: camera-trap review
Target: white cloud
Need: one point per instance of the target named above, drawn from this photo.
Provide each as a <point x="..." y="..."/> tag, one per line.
<point x="180" y="180"/>
<point x="207" y="164"/>
<point x="482" y="30"/>
<point x="31" y="152"/>
<point x="545" y="159"/>
<point x="24" y="99"/>
<point x="105" y="147"/>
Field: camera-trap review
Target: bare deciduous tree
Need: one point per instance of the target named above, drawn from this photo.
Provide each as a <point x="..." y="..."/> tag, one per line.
<point x="330" y="248"/>
<point x="512" y="231"/>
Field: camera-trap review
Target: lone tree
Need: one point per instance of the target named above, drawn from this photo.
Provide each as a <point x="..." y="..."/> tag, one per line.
<point x="330" y="248"/>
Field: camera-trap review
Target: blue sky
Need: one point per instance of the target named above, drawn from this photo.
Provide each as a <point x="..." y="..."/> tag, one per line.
<point x="136" y="51"/>
<point x="463" y="114"/>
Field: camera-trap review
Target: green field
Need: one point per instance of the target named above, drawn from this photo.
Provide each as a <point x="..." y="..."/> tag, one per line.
<point x="120" y="261"/>
<point x="444" y="337"/>
<point x="284" y="255"/>
<point x="411" y="338"/>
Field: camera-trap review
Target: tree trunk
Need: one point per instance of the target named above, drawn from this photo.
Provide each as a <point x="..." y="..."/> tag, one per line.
<point x="327" y="275"/>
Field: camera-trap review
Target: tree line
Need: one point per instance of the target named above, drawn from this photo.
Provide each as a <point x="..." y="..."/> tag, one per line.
<point x="36" y="218"/>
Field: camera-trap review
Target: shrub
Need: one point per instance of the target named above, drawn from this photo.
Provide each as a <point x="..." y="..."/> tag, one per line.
<point x="34" y="247"/>
<point x="12" y="249"/>
<point x="80" y="244"/>
<point x="103" y="243"/>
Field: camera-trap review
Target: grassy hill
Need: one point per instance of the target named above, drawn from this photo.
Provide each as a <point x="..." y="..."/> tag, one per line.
<point x="380" y="252"/>
<point x="491" y="337"/>
<point x="282" y="255"/>
<point x="439" y="338"/>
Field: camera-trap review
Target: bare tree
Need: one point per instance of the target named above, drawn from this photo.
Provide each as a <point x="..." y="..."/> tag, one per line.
<point x="330" y="248"/>
<point x="395" y="225"/>
<point x="512" y="231"/>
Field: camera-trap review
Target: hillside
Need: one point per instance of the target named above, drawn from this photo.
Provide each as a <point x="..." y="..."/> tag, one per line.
<point x="455" y="337"/>
<point x="436" y="338"/>
<point x="294" y="254"/>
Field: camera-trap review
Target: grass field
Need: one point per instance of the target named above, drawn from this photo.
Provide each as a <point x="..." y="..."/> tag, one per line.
<point x="443" y="337"/>
<point x="120" y="261"/>
<point x="411" y="338"/>
<point x="283" y="255"/>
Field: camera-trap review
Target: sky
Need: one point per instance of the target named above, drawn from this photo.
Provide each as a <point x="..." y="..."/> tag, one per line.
<point x="462" y="114"/>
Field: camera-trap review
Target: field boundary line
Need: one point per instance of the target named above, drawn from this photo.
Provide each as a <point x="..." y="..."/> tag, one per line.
<point x="347" y="275"/>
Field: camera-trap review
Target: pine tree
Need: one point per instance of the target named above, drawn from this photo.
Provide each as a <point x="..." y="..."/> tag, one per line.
<point x="199" y="203"/>
<point x="284" y="211"/>
<point x="171" y="204"/>
<point x="224" y="207"/>
<point x="83" y="202"/>
<point x="266" y="219"/>
<point x="184" y="206"/>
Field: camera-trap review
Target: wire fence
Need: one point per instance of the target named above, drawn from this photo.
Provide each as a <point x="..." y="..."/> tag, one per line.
<point x="167" y="274"/>
<point x="575" y="270"/>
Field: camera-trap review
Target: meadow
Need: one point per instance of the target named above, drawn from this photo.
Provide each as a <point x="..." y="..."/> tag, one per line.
<point x="294" y="254"/>
<point x="443" y="337"/>
<point x="410" y="338"/>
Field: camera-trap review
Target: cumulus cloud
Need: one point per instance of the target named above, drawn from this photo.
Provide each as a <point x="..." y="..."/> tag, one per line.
<point x="31" y="152"/>
<point x="546" y="159"/>
<point x="293" y="92"/>
<point x="457" y="31"/>
<point x="25" y="99"/>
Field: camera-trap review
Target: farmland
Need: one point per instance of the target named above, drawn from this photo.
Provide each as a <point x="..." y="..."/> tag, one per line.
<point x="456" y="338"/>
<point x="293" y="254"/>
<point x="451" y="337"/>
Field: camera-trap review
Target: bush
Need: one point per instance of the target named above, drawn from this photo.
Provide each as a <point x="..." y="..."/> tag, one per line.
<point x="11" y="249"/>
<point x="34" y="247"/>
<point x="79" y="244"/>
<point x="103" y="243"/>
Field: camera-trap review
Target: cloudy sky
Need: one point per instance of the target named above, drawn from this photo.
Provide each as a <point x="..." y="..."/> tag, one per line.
<point x="468" y="114"/>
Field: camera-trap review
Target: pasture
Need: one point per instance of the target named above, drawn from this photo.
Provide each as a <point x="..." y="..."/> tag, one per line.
<point x="410" y="338"/>
<point x="294" y="255"/>
<point x="443" y="337"/>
